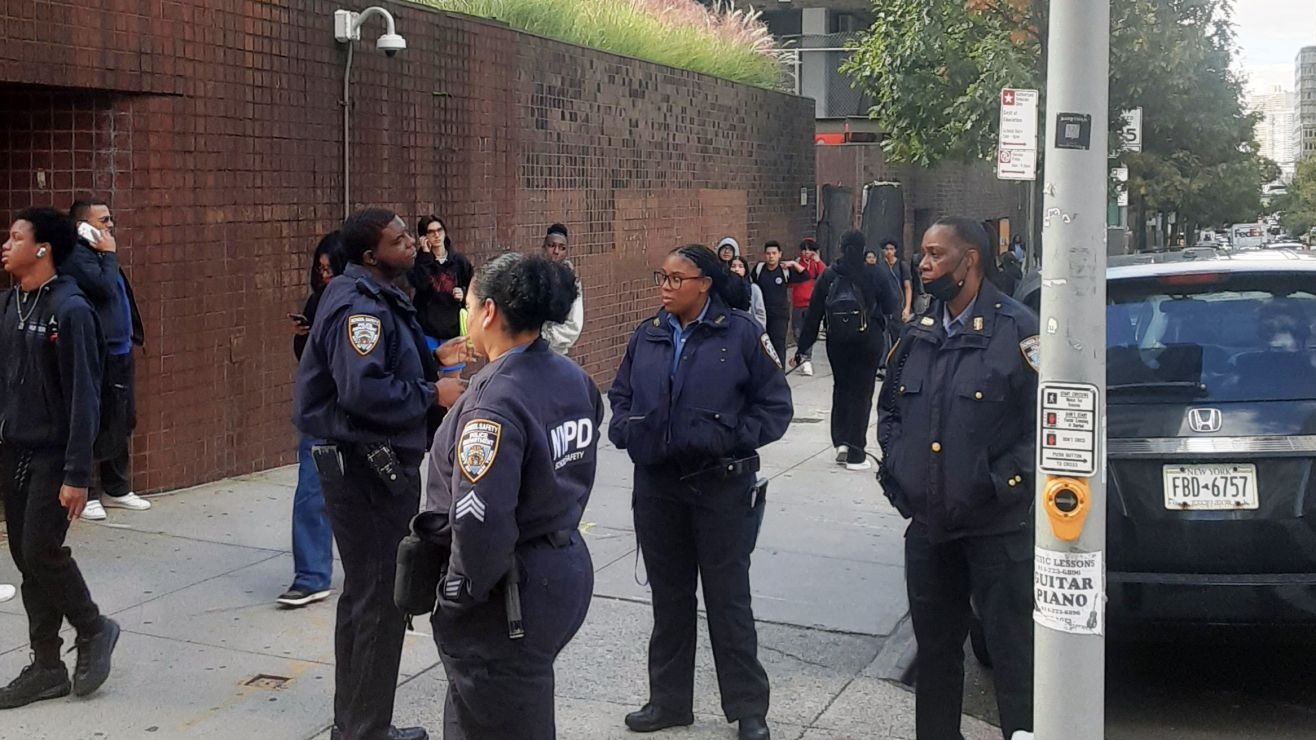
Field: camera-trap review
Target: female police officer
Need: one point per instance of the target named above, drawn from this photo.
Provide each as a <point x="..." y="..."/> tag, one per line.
<point x="510" y="472"/>
<point x="956" y="429"/>
<point x="699" y="390"/>
<point x="365" y="384"/>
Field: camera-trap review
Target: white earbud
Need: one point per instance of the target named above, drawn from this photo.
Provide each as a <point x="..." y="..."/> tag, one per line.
<point x="41" y="253"/>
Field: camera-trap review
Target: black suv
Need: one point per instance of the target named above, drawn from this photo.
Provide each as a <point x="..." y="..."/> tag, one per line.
<point x="1211" y="438"/>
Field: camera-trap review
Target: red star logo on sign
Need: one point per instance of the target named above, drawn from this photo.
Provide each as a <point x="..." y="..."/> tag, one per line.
<point x="1007" y="97"/>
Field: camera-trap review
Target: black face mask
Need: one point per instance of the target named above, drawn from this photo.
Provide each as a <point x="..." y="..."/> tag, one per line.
<point x="946" y="287"/>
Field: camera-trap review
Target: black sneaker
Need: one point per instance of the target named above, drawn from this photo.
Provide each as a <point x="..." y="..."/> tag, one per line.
<point x="35" y="683"/>
<point x="296" y="597"/>
<point x="94" y="651"/>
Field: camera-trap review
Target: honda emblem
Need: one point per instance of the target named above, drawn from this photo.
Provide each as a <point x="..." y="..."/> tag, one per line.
<point x="1205" y="421"/>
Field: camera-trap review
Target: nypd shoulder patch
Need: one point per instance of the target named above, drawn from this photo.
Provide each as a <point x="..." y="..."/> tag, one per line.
<point x="477" y="447"/>
<point x="1031" y="348"/>
<point x="766" y="343"/>
<point x="363" y="331"/>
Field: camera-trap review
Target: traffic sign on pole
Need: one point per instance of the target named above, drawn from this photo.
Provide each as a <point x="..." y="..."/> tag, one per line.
<point x="1016" y="157"/>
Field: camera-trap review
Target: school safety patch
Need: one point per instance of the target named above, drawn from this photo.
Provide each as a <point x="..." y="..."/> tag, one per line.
<point x="477" y="447"/>
<point x="1032" y="351"/>
<point x="768" y="349"/>
<point x="363" y="332"/>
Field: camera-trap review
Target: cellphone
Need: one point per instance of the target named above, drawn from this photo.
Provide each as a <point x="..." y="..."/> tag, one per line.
<point x="89" y="232"/>
<point x="299" y="319"/>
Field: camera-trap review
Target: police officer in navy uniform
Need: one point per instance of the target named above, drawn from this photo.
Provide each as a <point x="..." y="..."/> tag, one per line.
<point x="365" y="385"/>
<point x="956" y="426"/>
<point x="699" y="391"/>
<point x="511" y="470"/>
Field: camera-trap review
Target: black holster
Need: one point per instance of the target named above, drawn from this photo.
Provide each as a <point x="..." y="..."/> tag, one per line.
<point x="383" y="460"/>
<point x="421" y="564"/>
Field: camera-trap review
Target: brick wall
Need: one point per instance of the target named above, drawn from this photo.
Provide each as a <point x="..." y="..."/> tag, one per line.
<point x="215" y="129"/>
<point x="950" y="189"/>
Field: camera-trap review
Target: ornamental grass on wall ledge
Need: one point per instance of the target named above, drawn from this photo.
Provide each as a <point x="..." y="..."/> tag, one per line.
<point x="722" y="41"/>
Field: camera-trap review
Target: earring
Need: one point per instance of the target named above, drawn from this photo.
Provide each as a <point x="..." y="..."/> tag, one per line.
<point x="41" y="253"/>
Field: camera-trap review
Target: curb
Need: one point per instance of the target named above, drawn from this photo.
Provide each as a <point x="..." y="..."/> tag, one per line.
<point x="895" y="661"/>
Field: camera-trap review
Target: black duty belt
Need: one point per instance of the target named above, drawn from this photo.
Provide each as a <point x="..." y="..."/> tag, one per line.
<point x="718" y="468"/>
<point x="558" y="539"/>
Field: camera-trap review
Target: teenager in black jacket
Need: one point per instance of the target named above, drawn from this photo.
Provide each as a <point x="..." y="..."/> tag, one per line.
<point x="440" y="278"/>
<point x="51" y="343"/>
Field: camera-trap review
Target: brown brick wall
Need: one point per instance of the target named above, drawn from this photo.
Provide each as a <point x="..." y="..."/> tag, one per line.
<point x="951" y="189"/>
<point x="214" y="127"/>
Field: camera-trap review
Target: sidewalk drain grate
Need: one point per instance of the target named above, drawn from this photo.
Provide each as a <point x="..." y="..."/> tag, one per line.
<point x="806" y="420"/>
<point x="267" y="681"/>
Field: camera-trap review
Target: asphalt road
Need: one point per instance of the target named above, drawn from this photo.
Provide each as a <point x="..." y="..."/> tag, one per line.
<point x="1251" y="684"/>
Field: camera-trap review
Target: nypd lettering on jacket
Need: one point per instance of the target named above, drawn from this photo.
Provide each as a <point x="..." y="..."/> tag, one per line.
<point x="511" y="464"/>
<point x="572" y="442"/>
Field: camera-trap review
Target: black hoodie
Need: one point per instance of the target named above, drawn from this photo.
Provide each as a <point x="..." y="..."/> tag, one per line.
<point x="50" y="394"/>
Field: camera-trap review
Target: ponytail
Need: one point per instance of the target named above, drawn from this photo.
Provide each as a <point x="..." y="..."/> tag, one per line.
<point x="734" y="293"/>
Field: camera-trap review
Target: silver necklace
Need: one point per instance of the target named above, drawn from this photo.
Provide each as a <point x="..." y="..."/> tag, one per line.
<point x="22" y="300"/>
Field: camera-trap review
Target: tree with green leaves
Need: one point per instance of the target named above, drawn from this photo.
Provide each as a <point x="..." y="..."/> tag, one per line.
<point x="1298" y="206"/>
<point x="935" y="69"/>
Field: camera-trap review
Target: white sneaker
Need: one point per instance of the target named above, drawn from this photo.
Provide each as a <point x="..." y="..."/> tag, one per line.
<point x="806" y="368"/>
<point x="129" y="500"/>
<point x="1021" y="735"/>
<point x="865" y="465"/>
<point x="7" y="592"/>
<point x="841" y="454"/>
<point x="93" y="512"/>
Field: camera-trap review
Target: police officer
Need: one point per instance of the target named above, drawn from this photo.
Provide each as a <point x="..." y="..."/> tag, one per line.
<point x="699" y="391"/>
<point x="365" y="384"/>
<point x="511" y="470"/>
<point x="956" y="430"/>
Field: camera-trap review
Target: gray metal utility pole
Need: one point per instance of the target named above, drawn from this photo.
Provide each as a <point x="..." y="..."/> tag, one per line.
<point x="1069" y="567"/>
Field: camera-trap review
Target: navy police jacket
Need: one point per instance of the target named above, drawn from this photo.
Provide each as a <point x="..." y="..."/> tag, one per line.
<point x="727" y="396"/>
<point x="513" y="461"/>
<point x="956" y="420"/>
<point x="365" y="375"/>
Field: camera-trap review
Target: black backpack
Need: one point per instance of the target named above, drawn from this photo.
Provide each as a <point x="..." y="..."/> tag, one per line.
<point x="847" y="316"/>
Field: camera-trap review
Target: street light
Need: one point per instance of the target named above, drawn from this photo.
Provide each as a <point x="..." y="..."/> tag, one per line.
<point x="347" y="28"/>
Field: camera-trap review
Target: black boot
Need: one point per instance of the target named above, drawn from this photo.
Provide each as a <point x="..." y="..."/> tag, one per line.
<point x="754" y="728"/>
<point x="35" y="683"/>
<point x="94" y="652"/>
<point x="394" y="733"/>
<point x="653" y="718"/>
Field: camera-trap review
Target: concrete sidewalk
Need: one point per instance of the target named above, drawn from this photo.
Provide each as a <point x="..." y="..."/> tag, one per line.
<point x="205" y="653"/>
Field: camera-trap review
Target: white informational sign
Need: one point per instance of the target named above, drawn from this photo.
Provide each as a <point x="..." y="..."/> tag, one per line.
<point x="1068" y="434"/>
<point x="1017" y="148"/>
<point x="1131" y="133"/>
<point x="1122" y="177"/>
<point x="1069" y="591"/>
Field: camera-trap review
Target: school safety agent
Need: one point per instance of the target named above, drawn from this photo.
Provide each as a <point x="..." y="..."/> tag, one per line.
<point x="365" y="384"/>
<point x="511" y="470"/>
<point x="699" y="391"/>
<point x="955" y="421"/>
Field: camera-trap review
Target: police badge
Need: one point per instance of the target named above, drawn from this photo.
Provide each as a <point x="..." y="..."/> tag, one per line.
<point x="1032" y="351"/>
<point x="363" y="332"/>
<point x="477" y="447"/>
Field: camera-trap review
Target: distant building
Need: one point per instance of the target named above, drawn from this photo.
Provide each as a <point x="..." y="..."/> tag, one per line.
<point x="1304" y="135"/>
<point x="1275" y="132"/>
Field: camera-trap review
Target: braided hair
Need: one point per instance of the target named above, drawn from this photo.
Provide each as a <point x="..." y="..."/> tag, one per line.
<point x="735" y="293"/>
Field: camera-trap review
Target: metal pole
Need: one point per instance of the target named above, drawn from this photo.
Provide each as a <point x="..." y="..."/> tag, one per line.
<point x="1069" y="570"/>
<point x="347" y="134"/>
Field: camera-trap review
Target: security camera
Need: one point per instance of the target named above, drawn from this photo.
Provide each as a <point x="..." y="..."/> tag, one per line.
<point x="391" y="44"/>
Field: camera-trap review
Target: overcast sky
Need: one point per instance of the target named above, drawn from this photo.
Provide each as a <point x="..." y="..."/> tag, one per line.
<point x="1270" y="33"/>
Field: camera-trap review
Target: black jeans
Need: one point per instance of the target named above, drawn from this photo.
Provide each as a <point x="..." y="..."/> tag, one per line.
<point x="118" y="419"/>
<point x="502" y="688"/>
<point x="777" y="325"/>
<point x="53" y="587"/>
<point x="368" y="522"/>
<point x="997" y="573"/>
<point x="702" y="532"/>
<point x="854" y="377"/>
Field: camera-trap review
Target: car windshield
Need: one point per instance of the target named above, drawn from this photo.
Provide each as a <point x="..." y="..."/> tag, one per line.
<point x="1224" y="337"/>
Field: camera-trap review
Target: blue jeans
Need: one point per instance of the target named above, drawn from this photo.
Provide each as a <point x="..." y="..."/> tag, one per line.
<point x="312" y="539"/>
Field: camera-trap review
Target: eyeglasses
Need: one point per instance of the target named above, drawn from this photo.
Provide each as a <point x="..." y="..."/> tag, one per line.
<point x="674" y="280"/>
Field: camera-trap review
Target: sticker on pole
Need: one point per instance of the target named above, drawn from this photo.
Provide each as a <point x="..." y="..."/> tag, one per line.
<point x="1067" y="433"/>
<point x="1069" y="591"/>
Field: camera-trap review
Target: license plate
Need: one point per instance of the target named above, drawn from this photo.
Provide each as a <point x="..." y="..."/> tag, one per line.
<point x="1210" y="487"/>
